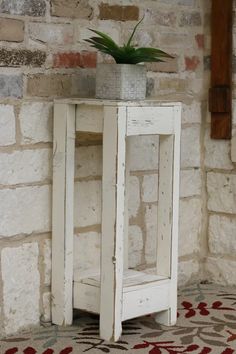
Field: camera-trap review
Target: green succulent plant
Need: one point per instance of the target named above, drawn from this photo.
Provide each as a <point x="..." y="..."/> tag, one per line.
<point x="127" y="54"/>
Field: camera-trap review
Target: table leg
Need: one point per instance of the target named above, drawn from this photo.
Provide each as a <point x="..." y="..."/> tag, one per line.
<point x="63" y="213"/>
<point x="113" y="205"/>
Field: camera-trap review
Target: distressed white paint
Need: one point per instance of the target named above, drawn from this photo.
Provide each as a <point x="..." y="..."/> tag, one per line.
<point x="63" y="212"/>
<point x="149" y="120"/>
<point x="129" y="294"/>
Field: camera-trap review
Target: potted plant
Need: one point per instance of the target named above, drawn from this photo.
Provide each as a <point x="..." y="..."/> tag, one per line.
<point x="123" y="79"/>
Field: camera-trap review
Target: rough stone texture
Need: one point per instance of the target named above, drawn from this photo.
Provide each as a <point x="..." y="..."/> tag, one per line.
<point x="222" y="235"/>
<point x="151" y="234"/>
<point x="21" y="282"/>
<point x="191" y="113"/>
<point x="178" y="2"/>
<point x="175" y="40"/>
<point x="190" y="147"/>
<point x="87" y="203"/>
<point x="7" y="123"/>
<point x="71" y="9"/>
<point x="53" y="34"/>
<point x="36" y="122"/>
<point x="85" y="59"/>
<point x="47" y="260"/>
<point x="143" y="153"/>
<point x="87" y="260"/>
<point x="190" y="19"/>
<point x="200" y="40"/>
<point x="217" y="153"/>
<point x="88" y="161"/>
<point x="161" y="18"/>
<point x="150" y="188"/>
<point x="169" y="66"/>
<point x="221" y="271"/>
<point x="19" y="57"/>
<point x="222" y="192"/>
<point x="25" y="210"/>
<point x="234" y="111"/>
<point x="11" y="86"/>
<point x="189" y="226"/>
<point x="134" y="196"/>
<point x="83" y="83"/>
<point x="25" y="166"/>
<point x="188" y="272"/>
<point x="190" y="183"/>
<point x="42" y="85"/>
<point x="171" y="86"/>
<point x="118" y="13"/>
<point x="192" y="63"/>
<point x="47" y="307"/>
<point x="11" y="30"/>
<point x="135" y="246"/>
<point x="23" y="7"/>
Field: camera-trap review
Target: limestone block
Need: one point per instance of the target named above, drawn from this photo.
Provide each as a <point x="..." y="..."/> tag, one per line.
<point x="25" y="210"/>
<point x="22" y="57"/>
<point x="47" y="307"/>
<point x="217" y="153"/>
<point x="233" y="146"/>
<point x="222" y="235"/>
<point x="11" y="30"/>
<point x="189" y="226"/>
<point x="118" y="13"/>
<point x="87" y="251"/>
<point x="188" y="19"/>
<point x="88" y="203"/>
<point x="134" y="196"/>
<point x="157" y="17"/>
<point x="221" y="271"/>
<point x="71" y="8"/>
<point x="34" y="8"/>
<point x="21" y="284"/>
<point x="54" y="34"/>
<point x="151" y="233"/>
<point x="43" y="85"/>
<point x="135" y="246"/>
<point x="190" y="147"/>
<point x="11" y="86"/>
<point x="190" y="183"/>
<point x="36" y="122"/>
<point x="25" y="166"/>
<point x="191" y="113"/>
<point x="88" y="161"/>
<point x="175" y="40"/>
<point x="150" y="188"/>
<point x="7" y="123"/>
<point x="188" y="272"/>
<point x="234" y="111"/>
<point x="222" y="192"/>
<point x="143" y="153"/>
<point x="47" y="261"/>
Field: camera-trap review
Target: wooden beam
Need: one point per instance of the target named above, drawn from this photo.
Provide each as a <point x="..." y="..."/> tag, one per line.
<point x="220" y="93"/>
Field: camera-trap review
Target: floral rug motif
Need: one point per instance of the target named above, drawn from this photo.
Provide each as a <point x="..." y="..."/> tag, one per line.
<point x="206" y="324"/>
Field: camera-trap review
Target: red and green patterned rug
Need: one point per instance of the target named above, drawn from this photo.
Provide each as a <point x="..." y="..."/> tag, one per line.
<point x="206" y="324"/>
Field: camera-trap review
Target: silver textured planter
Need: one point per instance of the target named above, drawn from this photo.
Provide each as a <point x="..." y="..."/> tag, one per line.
<point x="121" y="81"/>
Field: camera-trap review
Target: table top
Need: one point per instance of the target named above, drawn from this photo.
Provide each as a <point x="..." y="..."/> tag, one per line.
<point x="102" y="102"/>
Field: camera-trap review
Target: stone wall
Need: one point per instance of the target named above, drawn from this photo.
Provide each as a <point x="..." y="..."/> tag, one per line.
<point x="220" y="159"/>
<point x="43" y="56"/>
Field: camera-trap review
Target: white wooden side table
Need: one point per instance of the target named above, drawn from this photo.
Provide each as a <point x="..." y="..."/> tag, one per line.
<point x="116" y="293"/>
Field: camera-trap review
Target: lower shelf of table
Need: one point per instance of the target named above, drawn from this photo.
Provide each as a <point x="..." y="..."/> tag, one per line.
<point x="143" y="293"/>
